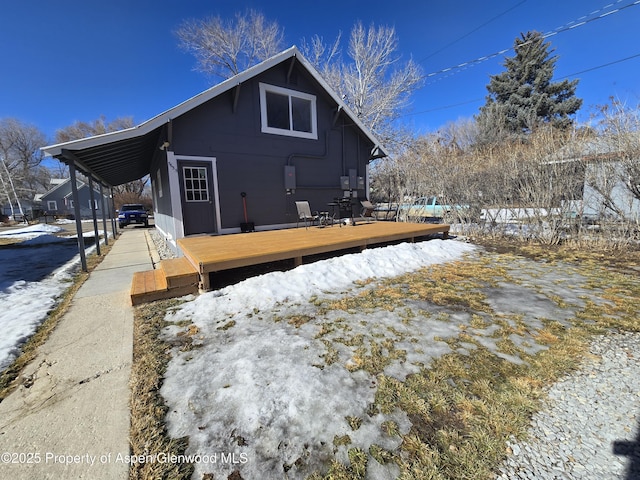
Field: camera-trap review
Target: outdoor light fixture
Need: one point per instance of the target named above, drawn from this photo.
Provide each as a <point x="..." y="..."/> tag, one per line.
<point x="164" y="146"/>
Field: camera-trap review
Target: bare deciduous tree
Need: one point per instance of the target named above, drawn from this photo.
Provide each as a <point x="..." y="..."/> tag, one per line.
<point x="22" y="174"/>
<point x="224" y="48"/>
<point x="518" y="188"/>
<point x="373" y="81"/>
<point x="101" y="126"/>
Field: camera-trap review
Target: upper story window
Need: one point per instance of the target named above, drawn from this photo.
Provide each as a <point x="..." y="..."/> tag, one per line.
<point x="288" y="112"/>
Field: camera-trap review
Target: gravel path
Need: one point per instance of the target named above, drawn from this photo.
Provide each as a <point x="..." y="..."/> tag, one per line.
<point x="590" y="428"/>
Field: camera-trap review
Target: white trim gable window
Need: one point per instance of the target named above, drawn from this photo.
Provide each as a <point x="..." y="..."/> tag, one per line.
<point x="52" y="205"/>
<point x="288" y="112"/>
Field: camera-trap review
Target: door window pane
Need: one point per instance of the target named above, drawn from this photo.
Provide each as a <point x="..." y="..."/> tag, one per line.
<point x="196" y="184"/>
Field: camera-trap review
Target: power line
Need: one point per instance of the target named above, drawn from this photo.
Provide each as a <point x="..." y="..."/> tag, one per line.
<point x="444" y="107"/>
<point x="466" y="102"/>
<point x="601" y="66"/>
<point x="566" y="27"/>
<point x="584" y="19"/>
<point x="472" y="31"/>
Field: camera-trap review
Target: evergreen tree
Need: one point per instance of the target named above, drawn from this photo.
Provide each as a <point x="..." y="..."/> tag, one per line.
<point x="523" y="97"/>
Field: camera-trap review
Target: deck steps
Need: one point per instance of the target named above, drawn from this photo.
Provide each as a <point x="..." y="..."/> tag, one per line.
<point x="173" y="278"/>
<point x="179" y="272"/>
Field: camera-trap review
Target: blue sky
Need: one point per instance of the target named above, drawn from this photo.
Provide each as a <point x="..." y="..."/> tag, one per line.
<point x="69" y="60"/>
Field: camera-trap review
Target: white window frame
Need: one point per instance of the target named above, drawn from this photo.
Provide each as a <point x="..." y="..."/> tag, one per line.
<point x="96" y="205"/>
<point x="264" y="88"/>
<point x="52" y="205"/>
<point x="193" y="188"/>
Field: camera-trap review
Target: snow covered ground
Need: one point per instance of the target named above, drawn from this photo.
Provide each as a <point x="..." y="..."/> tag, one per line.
<point x="33" y="274"/>
<point x="258" y="392"/>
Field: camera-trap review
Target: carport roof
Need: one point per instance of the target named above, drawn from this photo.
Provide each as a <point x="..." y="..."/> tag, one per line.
<point x="126" y="155"/>
<point x="118" y="161"/>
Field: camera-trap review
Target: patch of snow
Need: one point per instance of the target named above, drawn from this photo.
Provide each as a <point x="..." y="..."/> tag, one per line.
<point x="260" y="388"/>
<point x="33" y="275"/>
<point x="26" y="306"/>
<point x="31" y="231"/>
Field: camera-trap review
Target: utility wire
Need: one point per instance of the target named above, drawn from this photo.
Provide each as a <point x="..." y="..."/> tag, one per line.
<point x="601" y="66"/>
<point x="472" y="31"/>
<point x="444" y="107"/>
<point x="466" y="102"/>
<point x="568" y="26"/>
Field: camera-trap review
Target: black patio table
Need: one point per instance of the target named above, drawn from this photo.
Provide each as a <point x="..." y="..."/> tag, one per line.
<point x="345" y="204"/>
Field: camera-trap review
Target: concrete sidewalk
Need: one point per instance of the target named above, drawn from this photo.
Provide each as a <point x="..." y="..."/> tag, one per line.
<point x="71" y="419"/>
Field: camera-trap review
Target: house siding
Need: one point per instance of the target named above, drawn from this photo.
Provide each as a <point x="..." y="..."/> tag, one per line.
<point x="250" y="161"/>
<point x="594" y="203"/>
<point x="161" y="193"/>
<point x="62" y="195"/>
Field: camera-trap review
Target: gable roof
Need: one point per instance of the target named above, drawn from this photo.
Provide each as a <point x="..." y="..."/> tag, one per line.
<point x="123" y="156"/>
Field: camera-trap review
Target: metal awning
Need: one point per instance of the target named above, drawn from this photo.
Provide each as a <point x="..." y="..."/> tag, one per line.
<point x="116" y="162"/>
<point x="111" y="159"/>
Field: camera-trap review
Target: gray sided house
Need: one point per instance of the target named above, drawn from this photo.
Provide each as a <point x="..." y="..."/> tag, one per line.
<point x="13" y="210"/>
<point x="58" y="201"/>
<point x="255" y="144"/>
<point x="609" y="179"/>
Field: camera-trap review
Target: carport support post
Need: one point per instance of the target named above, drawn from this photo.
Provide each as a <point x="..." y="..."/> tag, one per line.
<point x="103" y="206"/>
<point x="76" y="209"/>
<point x="113" y="214"/>
<point x="94" y="215"/>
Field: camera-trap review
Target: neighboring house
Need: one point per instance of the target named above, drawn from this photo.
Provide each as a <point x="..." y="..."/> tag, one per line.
<point x="606" y="191"/>
<point x="58" y="201"/>
<point x="13" y="210"/>
<point x="276" y="133"/>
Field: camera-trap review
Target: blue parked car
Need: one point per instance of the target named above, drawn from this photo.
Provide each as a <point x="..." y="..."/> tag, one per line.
<point x="132" y="213"/>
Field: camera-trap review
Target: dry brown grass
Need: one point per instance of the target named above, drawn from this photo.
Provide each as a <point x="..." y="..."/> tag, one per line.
<point x="463" y="407"/>
<point x="9" y="241"/>
<point x="148" y="433"/>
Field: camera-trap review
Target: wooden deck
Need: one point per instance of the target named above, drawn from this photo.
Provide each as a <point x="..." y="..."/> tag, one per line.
<point x="205" y="255"/>
<point x="213" y="254"/>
